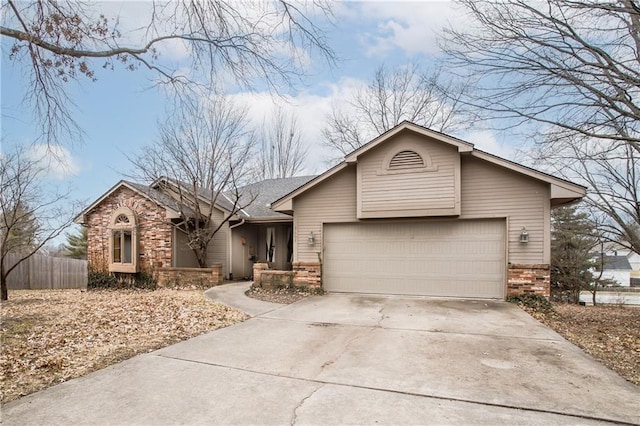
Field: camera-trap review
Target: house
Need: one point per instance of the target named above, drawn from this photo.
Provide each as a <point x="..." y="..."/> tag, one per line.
<point x="413" y="212"/>
<point x="616" y="268"/>
<point x="620" y="268"/>
<point x="132" y="228"/>
<point x="418" y="212"/>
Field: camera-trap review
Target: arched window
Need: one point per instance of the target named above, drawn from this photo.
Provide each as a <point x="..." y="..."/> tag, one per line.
<point x="123" y="242"/>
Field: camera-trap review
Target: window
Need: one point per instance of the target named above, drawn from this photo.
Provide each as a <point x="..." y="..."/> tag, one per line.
<point x="123" y="255"/>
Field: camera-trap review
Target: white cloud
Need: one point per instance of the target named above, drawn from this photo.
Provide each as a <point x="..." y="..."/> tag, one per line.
<point x="57" y="161"/>
<point x="411" y="26"/>
<point x="311" y="111"/>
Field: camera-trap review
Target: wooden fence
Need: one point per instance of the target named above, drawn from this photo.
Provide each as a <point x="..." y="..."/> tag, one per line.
<point x="45" y="272"/>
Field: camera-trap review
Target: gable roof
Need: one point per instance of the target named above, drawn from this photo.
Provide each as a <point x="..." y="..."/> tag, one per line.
<point x="562" y="191"/>
<point x="151" y="194"/>
<point x="266" y="192"/>
<point x="617" y="262"/>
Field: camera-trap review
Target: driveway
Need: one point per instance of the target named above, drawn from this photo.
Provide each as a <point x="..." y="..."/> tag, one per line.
<point x="350" y="359"/>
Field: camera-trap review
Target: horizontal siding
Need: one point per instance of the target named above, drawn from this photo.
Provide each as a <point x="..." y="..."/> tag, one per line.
<point x="488" y="191"/>
<point x="408" y="190"/>
<point x="334" y="200"/>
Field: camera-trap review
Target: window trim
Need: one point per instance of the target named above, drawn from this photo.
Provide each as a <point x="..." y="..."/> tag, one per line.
<point x="120" y="226"/>
<point x="420" y="150"/>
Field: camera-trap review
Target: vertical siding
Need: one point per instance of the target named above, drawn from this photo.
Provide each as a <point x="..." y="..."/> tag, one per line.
<point x="333" y="200"/>
<point x="242" y="265"/>
<point x="429" y="191"/>
<point x="217" y="251"/>
<point x="489" y="191"/>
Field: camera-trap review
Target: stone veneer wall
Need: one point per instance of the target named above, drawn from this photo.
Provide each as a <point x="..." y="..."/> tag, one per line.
<point x="186" y="277"/>
<point x="529" y="279"/>
<point x="307" y="274"/>
<point x="154" y="232"/>
<point x="304" y="274"/>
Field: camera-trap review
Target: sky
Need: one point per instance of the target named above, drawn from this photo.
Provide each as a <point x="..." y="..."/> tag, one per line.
<point x="119" y="113"/>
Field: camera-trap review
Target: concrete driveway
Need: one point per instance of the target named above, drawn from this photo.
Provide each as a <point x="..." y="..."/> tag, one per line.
<point x="344" y="359"/>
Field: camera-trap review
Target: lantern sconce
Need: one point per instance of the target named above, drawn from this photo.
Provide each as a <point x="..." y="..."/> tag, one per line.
<point x="524" y="235"/>
<point x="312" y="239"/>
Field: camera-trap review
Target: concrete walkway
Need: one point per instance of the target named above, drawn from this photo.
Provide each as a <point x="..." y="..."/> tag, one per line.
<point x="233" y="295"/>
<point x="346" y="359"/>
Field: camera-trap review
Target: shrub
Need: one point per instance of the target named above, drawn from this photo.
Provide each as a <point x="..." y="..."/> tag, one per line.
<point x="106" y="280"/>
<point x="535" y="302"/>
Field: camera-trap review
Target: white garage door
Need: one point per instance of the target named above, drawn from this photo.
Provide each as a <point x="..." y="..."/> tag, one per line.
<point x="455" y="258"/>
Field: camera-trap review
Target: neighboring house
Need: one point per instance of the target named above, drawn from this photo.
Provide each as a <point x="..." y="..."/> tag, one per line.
<point x="633" y="260"/>
<point x="131" y="229"/>
<point x="618" y="269"/>
<point x="415" y="211"/>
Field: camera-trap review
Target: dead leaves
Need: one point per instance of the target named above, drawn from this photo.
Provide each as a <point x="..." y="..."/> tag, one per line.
<point x="609" y="333"/>
<point x="51" y="336"/>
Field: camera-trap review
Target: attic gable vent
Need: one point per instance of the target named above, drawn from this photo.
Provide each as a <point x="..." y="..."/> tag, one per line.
<point x="405" y="160"/>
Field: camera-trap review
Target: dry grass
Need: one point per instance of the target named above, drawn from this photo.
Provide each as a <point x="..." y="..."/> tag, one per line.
<point x="608" y="333"/>
<point x="50" y="336"/>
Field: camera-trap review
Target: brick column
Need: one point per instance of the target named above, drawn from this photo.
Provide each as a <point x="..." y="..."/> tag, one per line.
<point x="529" y="279"/>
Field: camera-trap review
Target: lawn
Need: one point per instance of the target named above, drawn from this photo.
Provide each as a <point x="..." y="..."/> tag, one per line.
<point x="50" y="336"/>
<point x="611" y="334"/>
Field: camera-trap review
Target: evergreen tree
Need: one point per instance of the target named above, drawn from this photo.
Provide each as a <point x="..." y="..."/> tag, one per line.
<point x="21" y="228"/>
<point x="573" y="236"/>
<point x="76" y="246"/>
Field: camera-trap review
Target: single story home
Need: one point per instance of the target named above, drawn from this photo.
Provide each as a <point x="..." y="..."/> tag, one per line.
<point x="133" y="228"/>
<point x="412" y="212"/>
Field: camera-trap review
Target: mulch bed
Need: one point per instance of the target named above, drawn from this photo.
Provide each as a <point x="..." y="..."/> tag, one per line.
<point x="280" y="295"/>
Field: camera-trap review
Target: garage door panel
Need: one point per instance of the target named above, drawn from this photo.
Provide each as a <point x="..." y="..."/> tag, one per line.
<point x="463" y="258"/>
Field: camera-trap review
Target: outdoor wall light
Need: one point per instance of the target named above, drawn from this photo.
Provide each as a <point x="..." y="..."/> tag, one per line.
<point x="312" y="239"/>
<point x="524" y="235"/>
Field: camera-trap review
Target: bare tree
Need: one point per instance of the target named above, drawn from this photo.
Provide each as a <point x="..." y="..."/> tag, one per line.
<point x="571" y="67"/>
<point x="282" y="152"/>
<point x="392" y="96"/>
<point x="31" y="213"/>
<point x="201" y="158"/>
<point x="611" y="171"/>
<point x="569" y="64"/>
<point x="63" y="41"/>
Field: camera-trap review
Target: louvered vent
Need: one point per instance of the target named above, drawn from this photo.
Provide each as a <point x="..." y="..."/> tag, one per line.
<point x="406" y="159"/>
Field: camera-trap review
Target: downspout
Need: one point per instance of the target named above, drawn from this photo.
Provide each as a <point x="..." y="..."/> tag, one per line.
<point x="230" y="273"/>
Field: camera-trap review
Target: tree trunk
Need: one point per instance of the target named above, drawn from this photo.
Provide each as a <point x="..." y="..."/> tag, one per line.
<point x="3" y="283"/>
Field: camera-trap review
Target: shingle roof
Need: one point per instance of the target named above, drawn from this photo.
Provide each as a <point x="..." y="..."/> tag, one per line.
<point x="155" y="195"/>
<point x="266" y="192"/>
<point x="617" y="262"/>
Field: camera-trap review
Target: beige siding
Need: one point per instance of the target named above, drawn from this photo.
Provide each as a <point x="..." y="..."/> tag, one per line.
<point x="218" y="247"/>
<point x="242" y="265"/>
<point x="334" y="200"/>
<point x="183" y="256"/>
<point x="412" y="192"/>
<point x="489" y="191"/>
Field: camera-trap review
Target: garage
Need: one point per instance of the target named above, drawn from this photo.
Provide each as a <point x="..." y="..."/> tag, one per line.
<point x="463" y="258"/>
